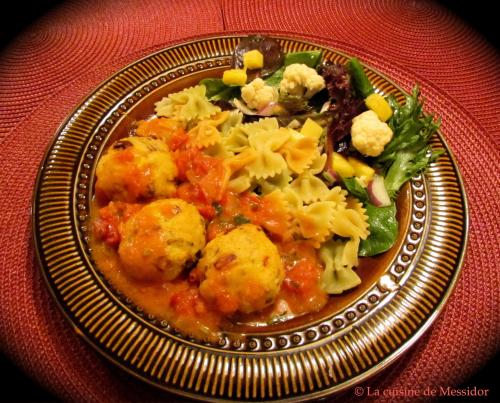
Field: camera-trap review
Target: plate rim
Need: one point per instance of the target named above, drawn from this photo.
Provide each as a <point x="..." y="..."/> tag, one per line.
<point x="336" y="388"/>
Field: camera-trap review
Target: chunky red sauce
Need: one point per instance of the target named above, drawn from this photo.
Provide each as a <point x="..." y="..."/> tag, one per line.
<point x="202" y="181"/>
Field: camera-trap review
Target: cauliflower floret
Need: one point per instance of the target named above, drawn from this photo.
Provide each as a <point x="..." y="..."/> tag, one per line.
<point x="301" y="80"/>
<point x="242" y="271"/>
<point x="258" y="95"/>
<point x="369" y="134"/>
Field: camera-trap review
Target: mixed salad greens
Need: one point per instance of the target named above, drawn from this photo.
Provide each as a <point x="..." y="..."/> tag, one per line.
<point x="346" y="94"/>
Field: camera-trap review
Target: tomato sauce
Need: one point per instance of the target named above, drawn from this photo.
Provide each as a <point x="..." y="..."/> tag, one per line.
<point x="202" y="181"/>
<point x="179" y="301"/>
<point x="301" y="289"/>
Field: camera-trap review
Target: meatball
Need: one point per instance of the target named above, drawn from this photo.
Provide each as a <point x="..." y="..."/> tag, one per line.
<point x="242" y="271"/>
<point x="136" y="169"/>
<point x="161" y="239"/>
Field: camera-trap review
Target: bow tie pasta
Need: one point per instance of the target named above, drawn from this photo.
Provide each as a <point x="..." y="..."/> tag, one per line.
<point x="218" y="211"/>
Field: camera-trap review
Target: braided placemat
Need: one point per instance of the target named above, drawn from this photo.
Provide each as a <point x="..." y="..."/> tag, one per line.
<point x="55" y="64"/>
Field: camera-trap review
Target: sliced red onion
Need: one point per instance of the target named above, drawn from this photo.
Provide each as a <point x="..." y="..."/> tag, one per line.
<point x="330" y="175"/>
<point x="243" y="107"/>
<point x="325" y="107"/>
<point x="378" y="193"/>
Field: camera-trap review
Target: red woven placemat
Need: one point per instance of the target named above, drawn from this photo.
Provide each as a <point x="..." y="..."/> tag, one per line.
<point x="57" y="62"/>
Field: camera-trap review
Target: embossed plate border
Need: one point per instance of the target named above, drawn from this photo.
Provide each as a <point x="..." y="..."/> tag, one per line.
<point x="310" y="361"/>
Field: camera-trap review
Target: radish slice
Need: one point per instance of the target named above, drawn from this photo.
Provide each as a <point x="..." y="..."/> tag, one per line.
<point x="378" y="193"/>
<point x="267" y="110"/>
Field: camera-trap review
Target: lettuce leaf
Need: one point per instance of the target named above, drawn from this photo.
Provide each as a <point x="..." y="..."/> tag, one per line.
<point x="354" y="188"/>
<point x="409" y="152"/>
<point x="383" y="230"/>
<point x="218" y="91"/>
<point x="406" y="165"/>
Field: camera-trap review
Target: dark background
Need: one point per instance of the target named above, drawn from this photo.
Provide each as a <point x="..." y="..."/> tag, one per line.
<point x="17" y="387"/>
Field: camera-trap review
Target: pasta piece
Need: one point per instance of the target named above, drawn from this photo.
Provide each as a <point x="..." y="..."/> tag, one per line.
<point x="265" y="125"/>
<point x="293" y="205"/>
<point x="237" y="137"/>
<point x="299" y="151"/>
<point x="188" y="105"/>
<point x="355" y="204"/>
<point x="268" y="162"/>
<point x="234" y="119"/>
<point x="318" y="164"/>
<point x="310" y="188"/>
<point x="205" y="133"/>
<point x="218" y="150"/>
<point x="293" y="200"/>
<point x="240" y="160"/>
<point x="349" y="223"/>
<point x="240" y="182"/>
<point x="278" y="181"/>
<point x="315" y="221"/>
<point x="236" y="140"/>
<point x="238" y="178"/>
<point x="338" y="196"/>
<point x="339" y="259"/>
<point x="277" y="200"/>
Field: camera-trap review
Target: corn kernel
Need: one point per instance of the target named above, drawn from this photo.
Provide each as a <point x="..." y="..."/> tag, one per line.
<point x="253" y="59"/>
<point x="379" y="105"/>
<point x="361" y="169"/>
<point x="311" y="129"/>
<point x="234" y="77"/>
<point x="341" y="166"/>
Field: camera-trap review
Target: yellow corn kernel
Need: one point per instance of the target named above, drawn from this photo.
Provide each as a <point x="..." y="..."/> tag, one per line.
<point x="253" y="59"/>
<point x="341" y="166"/>
<point x="361" y="169"/>
<point x="379" y="105"/>
<point x="311" y="129"/>
<point x="234" y="77"/>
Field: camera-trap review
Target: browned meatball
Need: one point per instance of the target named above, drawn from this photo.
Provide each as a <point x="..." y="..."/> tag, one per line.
<point x="159" y="240"/>
<point x="243" y="270"/>
<point x="136" y="169"/>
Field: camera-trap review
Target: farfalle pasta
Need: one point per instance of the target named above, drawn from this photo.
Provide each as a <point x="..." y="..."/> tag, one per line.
<point x="214" y="213"/>
<point x="350" y="223"/>
<point x="206" y="132"/>
<point x="236" y="140"/>
<point x="309" y="187"/>
<point x="234" y="118"/>
<point x="299" y="151"/>
<point x="316" y="220"/>
<point x="269" y="162"/>
<point x="276" y="182"/>
<point x="238" y="177"/>
<point x="189" y="105"/>
<point x="339" y="258"/>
